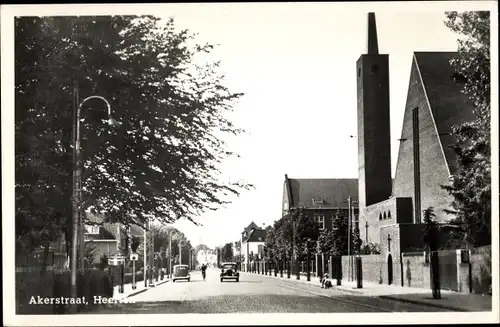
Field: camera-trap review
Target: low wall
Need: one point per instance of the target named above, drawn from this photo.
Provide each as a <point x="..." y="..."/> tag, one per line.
<point x="416" y="273"/>
<point x="480" y="260"/>
<point x="372" y="267"/>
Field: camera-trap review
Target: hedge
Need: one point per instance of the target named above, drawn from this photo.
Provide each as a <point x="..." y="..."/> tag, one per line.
<point x="53" y="285"/>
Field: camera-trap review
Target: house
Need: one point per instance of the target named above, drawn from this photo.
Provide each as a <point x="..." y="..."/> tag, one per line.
<point x="108" y="238"/>
<point x="322" y="198"/>
<point x="252" y="243"/>
<point x="390" y="209"/>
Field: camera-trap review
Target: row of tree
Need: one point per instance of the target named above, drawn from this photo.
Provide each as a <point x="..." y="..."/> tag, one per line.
<point x="297" y="235"/>
<point x="161" y="163"/>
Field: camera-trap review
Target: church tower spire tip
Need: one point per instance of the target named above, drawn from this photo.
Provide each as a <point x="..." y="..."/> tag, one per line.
<point x="372" y="34"/>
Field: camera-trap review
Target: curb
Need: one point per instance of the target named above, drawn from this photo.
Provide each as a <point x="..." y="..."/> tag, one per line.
<point x="144" y="289"/>
<point x="436" y="305"/>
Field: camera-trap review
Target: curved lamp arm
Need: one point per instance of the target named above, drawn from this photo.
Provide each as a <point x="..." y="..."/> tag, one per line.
<point x="111" y="120"/>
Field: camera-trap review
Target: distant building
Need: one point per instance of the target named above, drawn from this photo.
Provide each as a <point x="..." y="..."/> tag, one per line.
<point x="322" y="198"/>
<point x="252" y="243"/>
<point x="108" y="238"/>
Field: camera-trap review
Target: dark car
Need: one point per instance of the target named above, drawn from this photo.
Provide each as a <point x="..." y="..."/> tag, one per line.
<point x="229" y="271"/>
<point x="181" y="272"/>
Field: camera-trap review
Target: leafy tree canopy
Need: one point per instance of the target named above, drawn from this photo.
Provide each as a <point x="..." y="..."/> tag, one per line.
<point x="471" y="186"/>
<point x="161" y="163"/>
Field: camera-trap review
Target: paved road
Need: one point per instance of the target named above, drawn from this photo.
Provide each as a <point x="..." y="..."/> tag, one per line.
<point x="252" y="294"/>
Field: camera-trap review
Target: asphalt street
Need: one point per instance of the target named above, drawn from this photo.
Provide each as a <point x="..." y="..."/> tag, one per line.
<point x="252" y="294"/>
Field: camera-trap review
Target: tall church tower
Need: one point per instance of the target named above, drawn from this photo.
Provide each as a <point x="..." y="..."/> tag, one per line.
<point x="374" y="149"/>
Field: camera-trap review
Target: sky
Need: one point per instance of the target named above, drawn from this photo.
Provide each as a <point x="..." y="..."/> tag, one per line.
<point x="296" y="66"/>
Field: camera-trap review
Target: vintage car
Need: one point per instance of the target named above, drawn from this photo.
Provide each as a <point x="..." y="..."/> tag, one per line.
<point x="181" y="272"/>
<point x="229" y="270"/>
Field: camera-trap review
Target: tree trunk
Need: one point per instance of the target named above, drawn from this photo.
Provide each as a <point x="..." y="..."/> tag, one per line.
<point x="46" y="249"/>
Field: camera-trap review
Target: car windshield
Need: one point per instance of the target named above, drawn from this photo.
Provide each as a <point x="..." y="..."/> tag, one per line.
<point x="180" y="268"/>
<point x="229" y="266"/>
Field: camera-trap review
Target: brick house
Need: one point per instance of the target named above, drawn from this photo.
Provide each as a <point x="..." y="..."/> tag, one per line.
<point x="390" y="209"/>
<point x="322" y="198"/>
<point x="107" y="238"/>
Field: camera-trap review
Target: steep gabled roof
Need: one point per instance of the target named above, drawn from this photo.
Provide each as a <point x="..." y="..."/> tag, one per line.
<point x="449" y="106"/>
<point x="259" y="235"/>
<point x="332" y="192"/>
<point x="251" y="226"/>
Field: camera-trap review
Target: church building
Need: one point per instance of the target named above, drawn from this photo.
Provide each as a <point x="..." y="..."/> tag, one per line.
<point x="390" y="209"/>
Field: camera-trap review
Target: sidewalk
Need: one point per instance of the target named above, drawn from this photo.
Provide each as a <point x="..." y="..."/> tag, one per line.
<point x="128" y="291"/>
<point x="449" y="299"/>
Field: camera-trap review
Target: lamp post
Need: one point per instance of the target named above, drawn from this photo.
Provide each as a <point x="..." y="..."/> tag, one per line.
<point x="77" y="175"/>
<point x="170" y="252"/>
<point x="180" y="252"/>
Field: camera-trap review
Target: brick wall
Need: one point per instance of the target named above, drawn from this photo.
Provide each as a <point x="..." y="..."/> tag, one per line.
<point x="395" y="253"/>
<point x="388" y="212"/>
<point x="374" y="153"/>
<point x="372" y="267"/>
<point x="480" y="260"/>
<point x="433" y="167"/>
<point x="416" y="273"/>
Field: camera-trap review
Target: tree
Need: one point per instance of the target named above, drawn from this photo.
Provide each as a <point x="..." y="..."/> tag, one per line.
<point x="370" y="248"/>
<point x="89" y="253"/>
<point x="340" y="230"/>
<point x="306" y="229"/>
<point x="471" y="185"/>
<point x="163" y="162"/>
<point x="356" y="241"/>
<point x="227" y="252"/>
<point x="431" y="229"/>
<point x="431" y="240"/>
<point x="326" y="241"/>
<point x="270" y="247"/>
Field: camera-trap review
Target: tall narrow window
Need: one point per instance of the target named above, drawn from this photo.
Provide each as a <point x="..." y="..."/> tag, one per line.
<point x="416" y="164"/>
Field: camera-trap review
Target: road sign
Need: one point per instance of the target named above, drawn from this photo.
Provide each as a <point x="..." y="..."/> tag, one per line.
<point x="134" y="256"/>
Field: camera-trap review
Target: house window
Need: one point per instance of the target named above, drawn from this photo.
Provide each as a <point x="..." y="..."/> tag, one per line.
<point x="260" y="249"/>
<point x="91" y="229"/>
<point x="320" y="219"/>
<point x="318" y="201"/>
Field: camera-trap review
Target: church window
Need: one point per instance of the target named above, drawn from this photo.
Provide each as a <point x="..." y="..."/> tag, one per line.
<point x="374" y="69"/>
<point x="380" y="216"/>
<point x="389" y="214"/>
<point x="385" y="215"/>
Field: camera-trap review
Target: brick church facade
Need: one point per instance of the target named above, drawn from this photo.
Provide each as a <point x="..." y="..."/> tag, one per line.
<point x="390" y="209"/>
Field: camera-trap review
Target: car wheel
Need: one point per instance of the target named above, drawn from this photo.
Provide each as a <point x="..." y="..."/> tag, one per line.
<point x="237" y="280"/>
<point x="189" y="279"/>
<point x="173" y="280"/>
<point x="221" y="280"/>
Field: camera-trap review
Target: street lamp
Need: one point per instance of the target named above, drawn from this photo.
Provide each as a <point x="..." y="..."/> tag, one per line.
<point x="77" y="184"/>
<point x="170" y="252"/>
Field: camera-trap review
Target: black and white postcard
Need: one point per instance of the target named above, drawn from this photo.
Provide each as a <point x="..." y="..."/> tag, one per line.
<point x="250" y="163"/>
